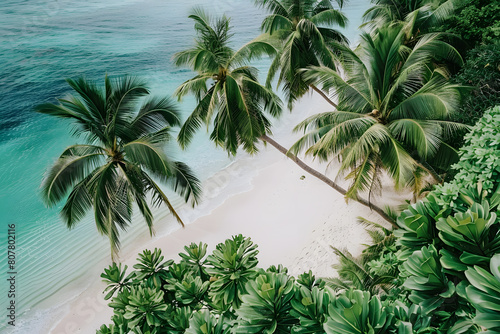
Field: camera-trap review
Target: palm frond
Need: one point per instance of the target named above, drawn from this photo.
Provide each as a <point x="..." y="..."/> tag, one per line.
<point x="92" y="98"/>
<point x="134" y="177"/>
<point x="429" y="46"/>
<point x="354" y="131"/>
<point x="125" y="94"/>
<point x="196" y="85"/>
<point x="444" y="157"/>
<point x="330" y="17"/>
<point x="268" y="99"/>
<point x="399" y="164"/>
<point x="363" y="176"/>
<point x="275" y="22"/>
<point x="72" y="167"/>
<point x="256" y="48"/>
<point x="450" y="128"/>
<point x="78" y="204"/>
<point x="185" y="183"/>
<point x="154" y="115"/>
<point x="348" y="93"/>
<point x="143" y="152"/>
<point x="435" y="100"/>
<point x="423" y="136"/>
<point x="273" y="6"/>
<point x="74" y="108"/>
<point x="196" y="119"/>
<point x="100" y="185"/>
<point x="160" y="197"/>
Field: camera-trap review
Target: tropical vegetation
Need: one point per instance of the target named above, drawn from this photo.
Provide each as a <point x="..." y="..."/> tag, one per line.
<point x="122" y="160"/>
<point x="475" y="26"/>
<point x="475" y="22"/>
<point x="481" y="70"/>
<point x="238" y="297"/>
<point x="232" y="97"/>
<point x="226" y="89"/>
<point x="393" y="115"/>
<point x="436" y="271"/>
<point x="303" y="34"/>
<point x="418" y="16"/>
<point x="444" y="262"/>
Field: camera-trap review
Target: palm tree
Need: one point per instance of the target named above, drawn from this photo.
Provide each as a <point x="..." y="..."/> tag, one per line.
<point x="232" y="96"/>
<point x="303" y="30"/>
<point x="393" y="112"/>
<point x="226" y="89"/>
<point x="419" y="16"/>
<point x="121" y="160"/>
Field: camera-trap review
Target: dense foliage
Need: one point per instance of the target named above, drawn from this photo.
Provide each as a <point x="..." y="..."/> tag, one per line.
<point x="439" y="273"/>
<point x="481" y="72"/>
<point x="419" y="16"/>
<point x="475" y="22"/>
<point x="393" y="112"/>
<point x="450" y="241"/>
<point x="226" y="292"/>
<point x="479" y="160"/>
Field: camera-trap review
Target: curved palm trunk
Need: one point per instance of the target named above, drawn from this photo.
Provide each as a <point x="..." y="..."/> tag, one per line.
<point x="323" y="95"/>
<point x="325" y="179"/>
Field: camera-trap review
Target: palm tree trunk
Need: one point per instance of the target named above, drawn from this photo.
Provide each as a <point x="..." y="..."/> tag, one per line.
<point x="320" y="92"/>
<point x="325" y="179"/>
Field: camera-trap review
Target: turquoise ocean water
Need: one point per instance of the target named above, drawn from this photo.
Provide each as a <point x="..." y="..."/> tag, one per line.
<point x="42" y="42"/>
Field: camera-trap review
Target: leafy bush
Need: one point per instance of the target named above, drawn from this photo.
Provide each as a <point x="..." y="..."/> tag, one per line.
<point x="417" y="224"/>
<point x="484" y="294"/>
<point x="115" y="279"/>
<point x="477" y="21"/>
<point x="232" y="266"/>
<point x="358" y="312"/>
<point x="450" y="237"/>
<point x="266" y="307"/>
<point x="426" y="280"/>
<point x="181" y="298"/>
<point x="472" y="238"/>
<point x="479" y="163"/>
<point x="311" y="309"/>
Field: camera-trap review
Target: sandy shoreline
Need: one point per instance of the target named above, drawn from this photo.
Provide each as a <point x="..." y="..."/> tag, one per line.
<point x="294" y="221"/>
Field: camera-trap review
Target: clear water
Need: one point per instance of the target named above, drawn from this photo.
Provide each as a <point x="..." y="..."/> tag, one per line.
<point x="42" y="42"/>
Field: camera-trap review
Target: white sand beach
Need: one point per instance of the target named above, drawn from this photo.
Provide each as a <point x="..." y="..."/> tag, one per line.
<point x="293" y="220"/>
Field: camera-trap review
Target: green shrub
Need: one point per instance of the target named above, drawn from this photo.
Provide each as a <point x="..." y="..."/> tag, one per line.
<point x="426" y="280"/>
<point x="479" y="162"/>
<point x="310" y="307"/>
<point x="116" y="280"/>
<point x="358" y="312"/>
<point x="266" y="306"/>
<point x="203" y="322"/>
<point x="484" y="294"/>
<point x="472" y="237"/>
<point x="145" y="306"/>
<point x="151" y="267"/>
<point x="233" y="264"/>
<point x="477" y="21"/>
